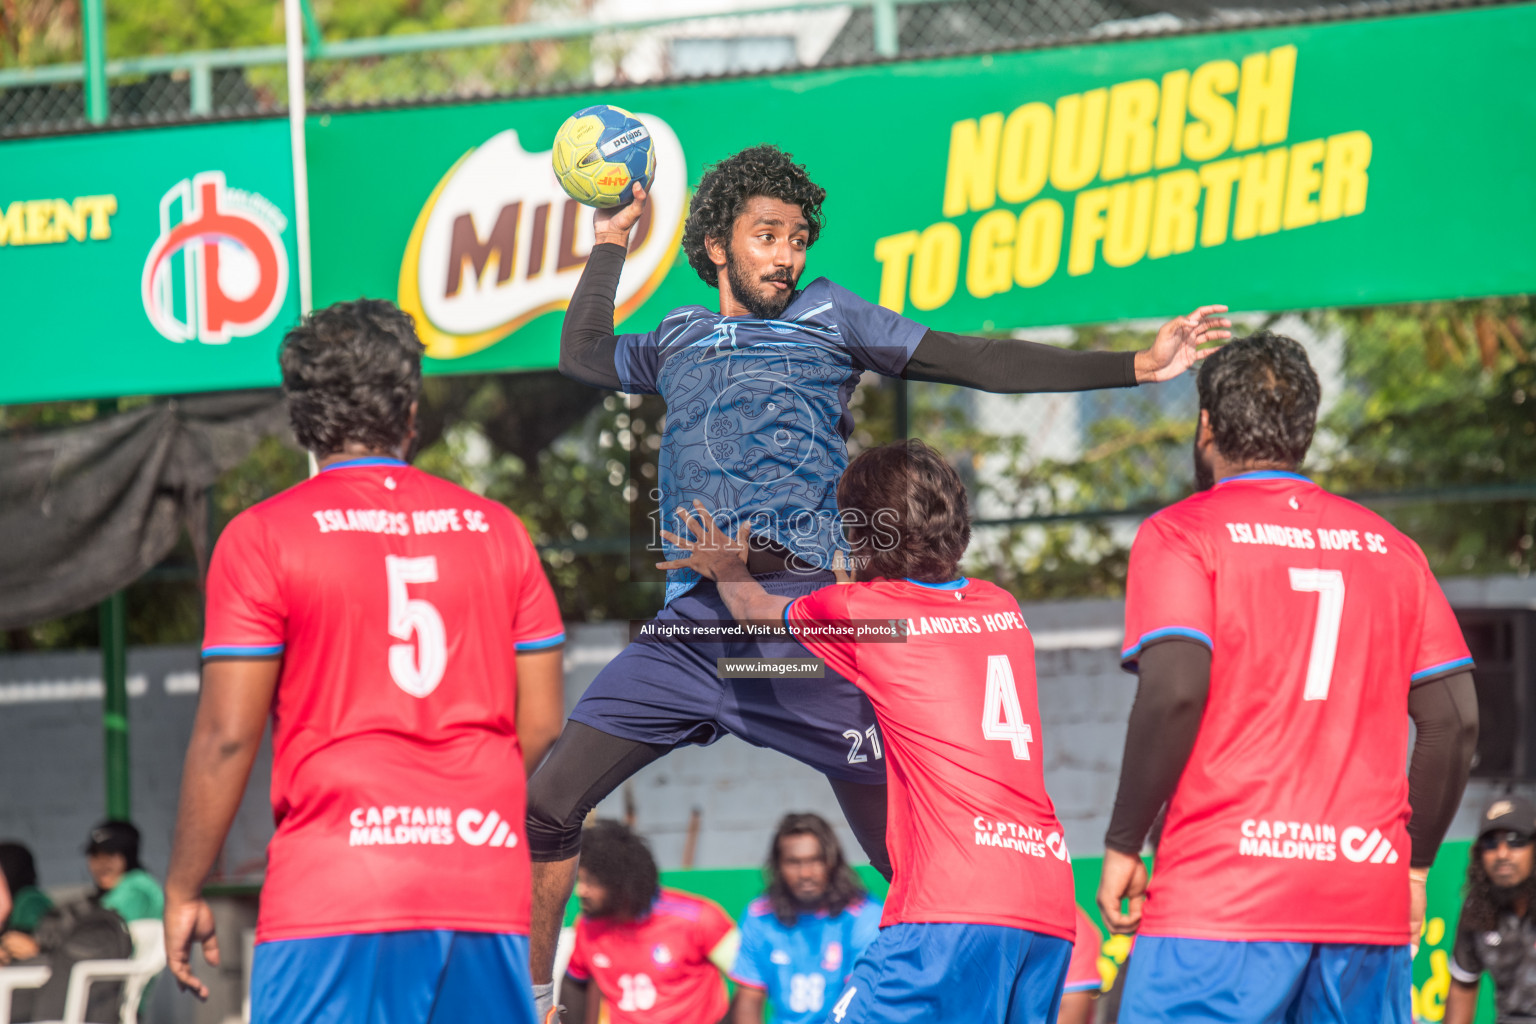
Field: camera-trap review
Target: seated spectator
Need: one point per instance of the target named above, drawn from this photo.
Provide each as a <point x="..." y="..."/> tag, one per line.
<point x="28" y="903"/>
<point x="655" y="954"/>
<point x="1084" y="983"/>
<point x="122" y="885"/>
<point x="799" y="940"/>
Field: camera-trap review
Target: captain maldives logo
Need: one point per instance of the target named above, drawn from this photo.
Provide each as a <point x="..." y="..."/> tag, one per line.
<point x="499" y="243"/>
<point x="219" y="269"/>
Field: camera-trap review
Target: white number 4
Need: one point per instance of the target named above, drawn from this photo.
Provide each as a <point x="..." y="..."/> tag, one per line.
<point x="418" y="668"/>
<point x="1002" y="718"/>
<point x="841" y="1009"/>
<point x="1328" y="585"/>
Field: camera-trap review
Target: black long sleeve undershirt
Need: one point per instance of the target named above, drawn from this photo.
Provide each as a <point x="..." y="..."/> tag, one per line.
<point x="1165" y="719"/>
<point x="998" y="365"/>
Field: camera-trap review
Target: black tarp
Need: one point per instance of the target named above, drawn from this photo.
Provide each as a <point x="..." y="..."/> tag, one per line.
<point x="85" y="511"/>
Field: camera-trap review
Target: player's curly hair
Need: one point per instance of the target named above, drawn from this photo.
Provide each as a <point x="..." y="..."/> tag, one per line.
<point x="351" y="372"/>
<point x="621" y="862"/>
<point x="1486" y="901"/>
<point x="843" y="886"/>
<point x="723" y="193"/>
<point x="907" y="513"/>
<point x="1261" y="394"/>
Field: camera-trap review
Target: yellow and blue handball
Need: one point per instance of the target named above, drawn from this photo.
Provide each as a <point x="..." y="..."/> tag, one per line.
<point x="600" y="153"/>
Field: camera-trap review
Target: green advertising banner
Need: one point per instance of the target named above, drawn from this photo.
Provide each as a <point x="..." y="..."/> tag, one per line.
<point x="1311" y="165"/>
<point x="146" y="262"/>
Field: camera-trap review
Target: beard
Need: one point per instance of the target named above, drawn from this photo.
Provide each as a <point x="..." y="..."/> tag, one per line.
<point x="1205" y="476"/>
<point x="750" y="292"/>
<point x="1522" y="893"/>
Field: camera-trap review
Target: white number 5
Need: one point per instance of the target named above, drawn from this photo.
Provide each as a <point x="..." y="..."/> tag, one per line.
<point x="416" y="669"/>
<point x="1328" y="585"/>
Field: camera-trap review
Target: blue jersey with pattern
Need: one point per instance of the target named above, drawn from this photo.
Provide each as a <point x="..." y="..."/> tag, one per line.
<point x="757" y="411"/>
<point x="802" y="966"/>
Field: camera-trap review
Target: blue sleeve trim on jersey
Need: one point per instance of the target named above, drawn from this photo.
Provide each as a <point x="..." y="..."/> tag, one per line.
<point x="748" y="982"/>
<point x="237" y="651"/>
<point x="1083" y="986"/>
<point x="539" y="645"/>
<point x="1444" y="666"/>
<point x="1164" y="633"/>
<point x="790" y="627"/>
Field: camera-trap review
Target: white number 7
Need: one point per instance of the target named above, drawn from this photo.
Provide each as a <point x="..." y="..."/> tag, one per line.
<point x="416" y="670"/>
<point x="1328" y="585"/>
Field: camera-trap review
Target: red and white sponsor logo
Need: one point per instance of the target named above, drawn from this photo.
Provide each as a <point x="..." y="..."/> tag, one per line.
<point x="219" y="270"/>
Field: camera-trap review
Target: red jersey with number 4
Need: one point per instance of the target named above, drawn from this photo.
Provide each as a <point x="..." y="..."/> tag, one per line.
<point x="656" y="971"/>
<point x="973" y="836"/>
<point x="397" y="602"/>
<point x="1289" y="822"/>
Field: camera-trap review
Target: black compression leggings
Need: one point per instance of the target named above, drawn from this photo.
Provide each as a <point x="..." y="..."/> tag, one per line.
<point x="587" y="764"/>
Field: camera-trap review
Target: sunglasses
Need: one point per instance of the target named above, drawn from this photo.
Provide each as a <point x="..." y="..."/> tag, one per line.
<point x="1511" y="839"/>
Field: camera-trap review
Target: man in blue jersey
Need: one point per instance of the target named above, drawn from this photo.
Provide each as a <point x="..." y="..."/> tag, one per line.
<point x="799" y="940"/>
<point x="758" y="415"/>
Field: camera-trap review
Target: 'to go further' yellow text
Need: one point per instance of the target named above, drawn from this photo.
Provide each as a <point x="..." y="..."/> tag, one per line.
<point x="1118" y="137"/>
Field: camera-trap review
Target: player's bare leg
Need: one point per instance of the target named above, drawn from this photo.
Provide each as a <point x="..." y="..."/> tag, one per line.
<point x="553" y="882"/>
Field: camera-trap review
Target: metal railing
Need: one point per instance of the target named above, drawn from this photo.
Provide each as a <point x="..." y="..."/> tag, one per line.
<point x="596" y="52"/>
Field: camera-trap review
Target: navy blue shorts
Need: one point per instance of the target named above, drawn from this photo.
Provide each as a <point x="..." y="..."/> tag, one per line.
<point x="667" y="692"/>
<point x="1212" y="982"/>
<point x="977" y="973"/>
<point x="412" y="977"/>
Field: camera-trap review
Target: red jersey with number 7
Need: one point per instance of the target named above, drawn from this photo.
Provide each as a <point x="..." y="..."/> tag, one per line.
<point x="1289" y="823"/>
<point x="398" y="603"/>
<point x="972" y="834"/>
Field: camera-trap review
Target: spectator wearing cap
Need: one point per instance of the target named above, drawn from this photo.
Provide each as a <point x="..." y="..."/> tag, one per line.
<point x="122" y="884"/>
<point x="1497" y="930"/>
<point x="28" y="903"/>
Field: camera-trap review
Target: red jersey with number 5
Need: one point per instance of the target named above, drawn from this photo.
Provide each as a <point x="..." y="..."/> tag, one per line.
<point x="973" y="836"/>
<point x="656" y="971"/>
<point x="397" y="602"/>
<point x="1289" y="822"/>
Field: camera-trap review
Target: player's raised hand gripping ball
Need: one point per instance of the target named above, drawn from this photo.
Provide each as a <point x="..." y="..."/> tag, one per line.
<point x="600" y="154"/>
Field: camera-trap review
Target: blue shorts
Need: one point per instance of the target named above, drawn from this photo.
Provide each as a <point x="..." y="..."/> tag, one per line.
<point x="1204" y="980"/>
<point x="414" y="977"/>
<point x="667" y="692"/>
<point x="977" y="973"/>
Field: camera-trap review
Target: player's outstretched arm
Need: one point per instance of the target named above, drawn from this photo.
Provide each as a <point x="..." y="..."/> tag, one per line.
<point x="231" y="715"/>
<point x="587" y="340"/>
<point x="723" y="559"/>
<point x="1010" y="366"/>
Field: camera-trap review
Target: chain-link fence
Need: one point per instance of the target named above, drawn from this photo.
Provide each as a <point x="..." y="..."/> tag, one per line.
<point x="567" y="54"/>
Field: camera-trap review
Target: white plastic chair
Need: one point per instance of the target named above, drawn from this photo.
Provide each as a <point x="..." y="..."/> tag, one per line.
<point x="135" y="974"/>
<point x="12" y="978"/>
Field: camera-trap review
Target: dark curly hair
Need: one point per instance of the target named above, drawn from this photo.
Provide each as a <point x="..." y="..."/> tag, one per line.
<point x="723" y="193"/>
<point x="1486" y="901"/>
<point x="621" y="862"/>
<point x="907" y="512"/>
<point x="351" y="372"/>
<point x="1261" y="394"/>
<point x="843" y="886"/>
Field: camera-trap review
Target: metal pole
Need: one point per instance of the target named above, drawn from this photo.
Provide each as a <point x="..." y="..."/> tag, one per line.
<point x="293" y="28"/>
<point x="902" y="412"/>
<point x="93" y="32"/>
<point x="112" y="618"/>
<point x="887" y="38"/>
<point x="201" y="88"/>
